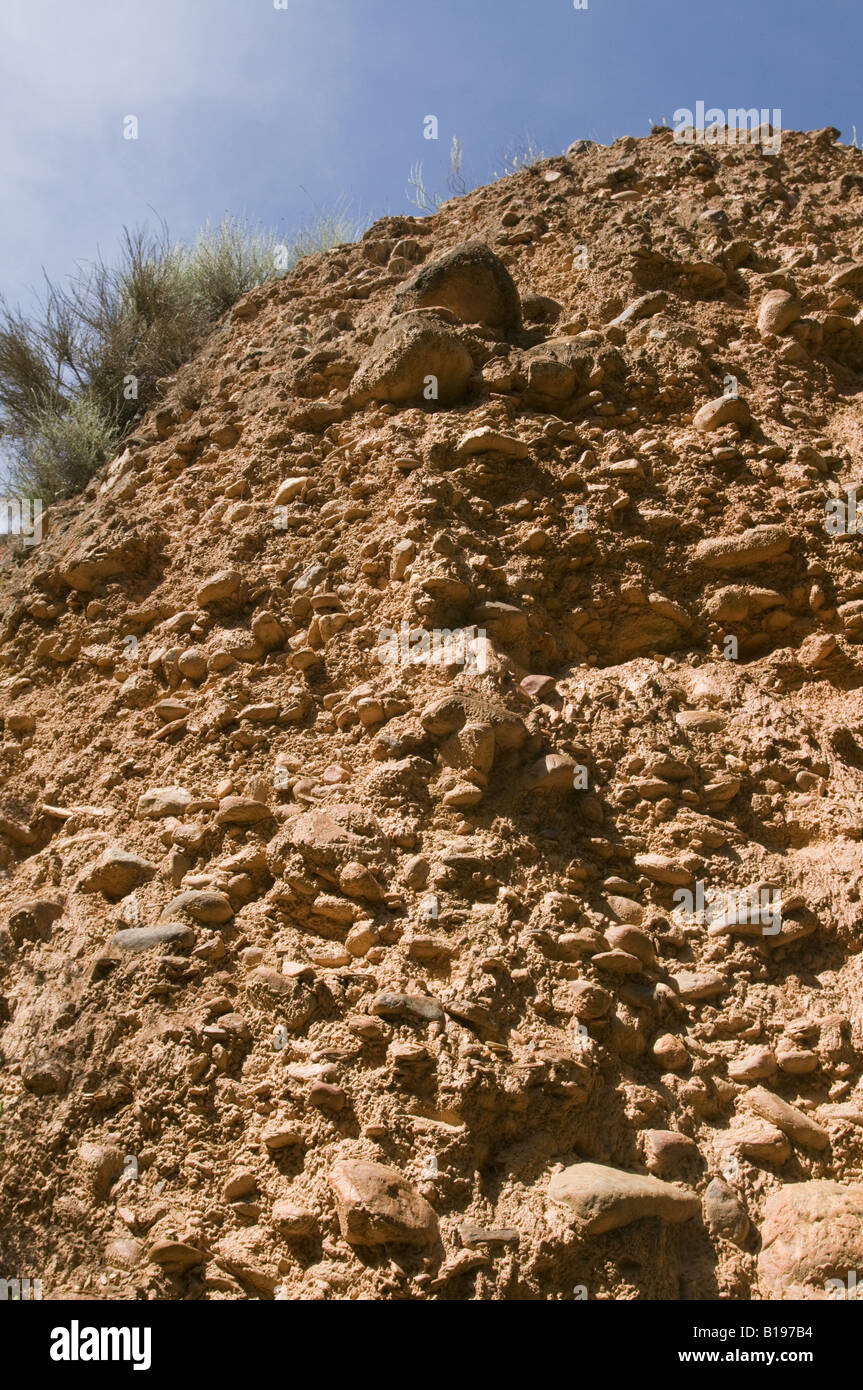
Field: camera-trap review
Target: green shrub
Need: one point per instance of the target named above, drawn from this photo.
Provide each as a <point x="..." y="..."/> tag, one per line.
<point x="62" y="451"/>
<point x="76" y="374"/>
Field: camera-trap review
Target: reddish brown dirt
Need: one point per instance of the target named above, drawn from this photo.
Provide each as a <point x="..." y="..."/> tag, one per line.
<point x="192" y="1119"/>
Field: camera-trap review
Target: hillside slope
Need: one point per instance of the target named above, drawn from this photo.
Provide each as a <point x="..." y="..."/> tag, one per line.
<point x="339" y="959"/>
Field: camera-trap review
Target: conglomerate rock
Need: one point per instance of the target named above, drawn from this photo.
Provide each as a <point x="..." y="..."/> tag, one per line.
<point x="430" y="769"/>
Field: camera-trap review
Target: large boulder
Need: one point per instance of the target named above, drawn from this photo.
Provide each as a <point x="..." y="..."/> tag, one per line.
<point x="376" y="1206"/>
<point x="329" y="838"/>
<point x="812" y="1233"/>
<point x="419" y="358"/>
<point x="558" y="368"/>
<point x="472" y="282"/>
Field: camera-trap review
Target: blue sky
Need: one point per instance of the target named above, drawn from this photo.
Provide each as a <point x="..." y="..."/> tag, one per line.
<point x="247" y="109"/>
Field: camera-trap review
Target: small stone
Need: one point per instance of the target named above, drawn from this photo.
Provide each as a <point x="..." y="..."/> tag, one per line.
<point x="617" y="962"/>
<point x="761" y="1141"/>
<point x="671" y="1052"/>
<point x="462" y="794"/>
<point x="289" y="489"/>
<point x="376" y="1206"/>
<point x="193" y="663"/>
<point x="160" y="802"/>
<point x="537" y="687"/>
<point x="693" y="985"/>
<point x="368" y="1028"/>
<point x="755" y="1065"/>
<point x="474" y="1237"/>
<point x="268" y="631"/>
<point x="293" y="1220"/>
<point x="777" y="311"/>
<point x="660" y="869"/>
<point x="704" y="721"/>
<point x="326" y="1097"/>
<point x="487" y="440"/>
<point x="403" y="553"/>
<point x="239" y="1185"/>
<point x="665" y="1149"/>
<point x="797" y="1061"/>
<point x="100" y="1166"/>
<point x="642" y="308"/>
<point x="219" y="587"/>
<point x="757" y="546"/>
<point x="723" y="1214"/>
<point x="633" y="941"/>
<point x="589" y="1001"/>
<point x="279" y="1135"/>
<point x="412" y="1008"/>
<point x="117" y="873"/>
<point x="788" y="1118"/>
<point x="205" y="905"/>
<point x="174" y="1255"/>
<point x="170" y="710"/>
<point x="416" y="872"/>
<point x="174" y="934"/>
<point x="725" y="410"/>
<point x="361" y="938"/>
<point x="124" y="1253"/>
<point x="358" y="881"/>
<point x="603" y="1199"/>
<point x="554" y="772"/>
<point x="242" y="810"/>
<point x="626" y="909"/>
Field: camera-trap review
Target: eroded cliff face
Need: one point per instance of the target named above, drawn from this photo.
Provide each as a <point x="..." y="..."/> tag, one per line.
<point x="431" y="807"/>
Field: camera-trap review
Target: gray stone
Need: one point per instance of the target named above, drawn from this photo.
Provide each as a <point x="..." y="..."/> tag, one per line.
<point x="413" y="1008"/>
<point x="205" y="905"/>
<point x="174" y="934"/>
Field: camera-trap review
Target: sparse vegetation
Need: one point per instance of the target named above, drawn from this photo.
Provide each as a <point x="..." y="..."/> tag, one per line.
<point x="77" y="373"/>
<point x="518" y="155"/>
<point x="63" y="448"/>
<point x="521" y="154"/>
<point x="426" y="200"/>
